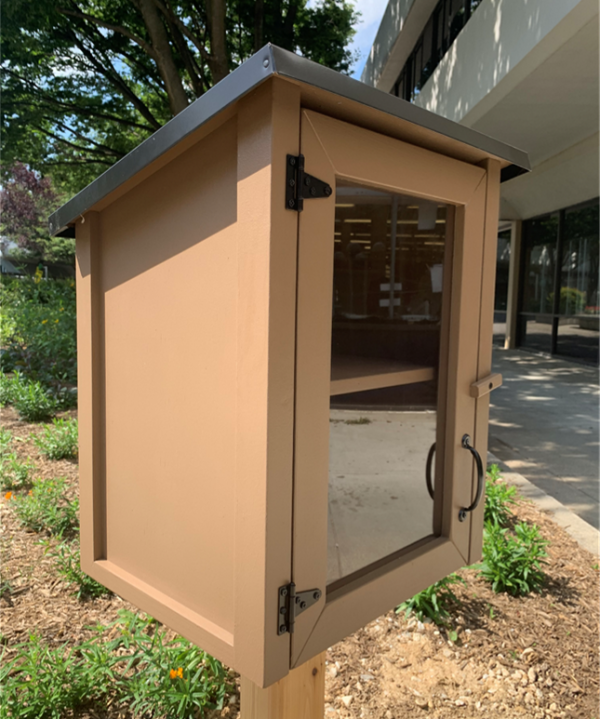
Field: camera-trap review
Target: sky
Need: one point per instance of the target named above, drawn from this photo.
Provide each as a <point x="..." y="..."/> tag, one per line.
<point x="372" y="12"/>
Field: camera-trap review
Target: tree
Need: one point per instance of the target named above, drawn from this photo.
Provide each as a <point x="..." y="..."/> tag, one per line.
<point x="85" y="81"/>
<point x="27" y="200"/>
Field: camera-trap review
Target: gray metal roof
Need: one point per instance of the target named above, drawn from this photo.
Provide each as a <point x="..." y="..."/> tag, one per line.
<point x="271" y="60"/>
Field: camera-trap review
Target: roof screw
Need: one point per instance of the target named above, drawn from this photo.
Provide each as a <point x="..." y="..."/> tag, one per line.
<point x="266" y="62"/>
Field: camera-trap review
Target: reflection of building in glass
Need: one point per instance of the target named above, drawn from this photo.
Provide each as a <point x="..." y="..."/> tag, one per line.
<point x="526" y="73"/>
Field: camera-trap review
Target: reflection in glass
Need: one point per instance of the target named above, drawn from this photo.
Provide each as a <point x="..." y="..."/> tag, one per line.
<point x="387" y="301"/>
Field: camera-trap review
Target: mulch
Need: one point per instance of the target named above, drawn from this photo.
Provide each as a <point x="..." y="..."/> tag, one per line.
<point x="532" y="657"/>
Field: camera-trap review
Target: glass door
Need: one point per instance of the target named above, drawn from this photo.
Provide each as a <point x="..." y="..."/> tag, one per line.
<point x="393" y="279"/>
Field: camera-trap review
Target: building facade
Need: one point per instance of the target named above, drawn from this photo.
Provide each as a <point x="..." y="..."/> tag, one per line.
<point x="525" y="72"/>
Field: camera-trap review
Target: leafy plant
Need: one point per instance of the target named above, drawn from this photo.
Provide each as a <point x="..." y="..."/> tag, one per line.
<point x="34" y="404"/>
<point x="5" y="440"/>
<point x="58" y="441"/>
<point x="434" y="601"/>
<point x="10" y="386"/>
<point x="14" y="474"/>
<point x="68" y="566"/>
<point x="46" y="509"/>
<point x="174" y="679"/>
<point x="498" y="497"/>
<point x="512" y="563"/>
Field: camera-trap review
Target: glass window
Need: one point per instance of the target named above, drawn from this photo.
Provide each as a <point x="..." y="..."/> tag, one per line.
<point x="387" y="300"/>
<point x="539" y="265"/>
<point x="578" y="307"/>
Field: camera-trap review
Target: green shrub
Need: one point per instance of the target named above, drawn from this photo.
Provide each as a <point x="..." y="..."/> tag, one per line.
<point x="34" y="404"/>
<point x="58" y="441"/>
<point x="512" y="563"/>
<point x="498" y="497"/>
<point x="140" y="668"/>
<point x="38" y="330"/>
<point x="434" y="601"/>
<point x="14" y="474"/>
<point x="44" y="683"/>
<point x="68" y="566"/>
<point x="10" y="386"/>
<point x="5" y="440"/>
<point x="46" y="509"/>
<point x="173" y="679"/>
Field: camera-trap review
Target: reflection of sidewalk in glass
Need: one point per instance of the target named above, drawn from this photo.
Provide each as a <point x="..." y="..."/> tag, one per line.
<point x="378" y="500"/>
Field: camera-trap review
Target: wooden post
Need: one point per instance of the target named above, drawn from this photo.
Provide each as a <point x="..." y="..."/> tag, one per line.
<point x="299" y="695"/>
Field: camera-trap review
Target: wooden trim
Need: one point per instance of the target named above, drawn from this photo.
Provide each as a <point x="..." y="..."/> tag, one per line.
<point x="299" y="695"/>
<point x="90" y="381"/>
<point x="484" y="340"/>
<point x="268" y="129"/>
<point x="359" y="602"/>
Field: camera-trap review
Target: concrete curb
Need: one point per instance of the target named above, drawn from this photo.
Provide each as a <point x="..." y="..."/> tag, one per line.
<point x="587" y="536"/>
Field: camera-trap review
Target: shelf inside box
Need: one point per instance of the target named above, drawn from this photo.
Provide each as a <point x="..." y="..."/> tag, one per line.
<point x="356" y="374"/>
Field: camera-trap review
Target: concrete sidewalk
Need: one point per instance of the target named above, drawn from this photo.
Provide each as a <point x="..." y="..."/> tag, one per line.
<point x="544" y="425"/>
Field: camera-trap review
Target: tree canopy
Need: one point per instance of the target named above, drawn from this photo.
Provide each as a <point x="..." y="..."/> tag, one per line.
<point x="85" y="81"/>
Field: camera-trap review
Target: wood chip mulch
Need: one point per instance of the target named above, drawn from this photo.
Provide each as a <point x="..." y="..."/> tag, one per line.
<point x="533" y="658"/>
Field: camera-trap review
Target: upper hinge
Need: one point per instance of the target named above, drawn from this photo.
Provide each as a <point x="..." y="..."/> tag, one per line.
<point x="300" y="186"/>
<point x="291" y="604"/>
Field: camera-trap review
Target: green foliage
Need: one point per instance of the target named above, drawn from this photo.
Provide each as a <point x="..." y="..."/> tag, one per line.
<point x="40" y="333"/>
<point x="10" y="386"/>
<point x="78" y="93"/>
<point x="171" y="679"/>
<point x="14" y="474"/>
<point x="58" y="441"/>
<point x="34" y="404"/>
<point x="434" y="601"/>
<point x="66" y="556"/>
<point x="512" y="563"/>
<point x="46" y="508"/>
<point x="498" y="497"/>
<point x="5" y="440"/>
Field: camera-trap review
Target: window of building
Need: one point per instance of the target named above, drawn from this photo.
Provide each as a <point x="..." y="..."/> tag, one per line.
<point x="442" y="28"/>
<point x="559" y="304"/>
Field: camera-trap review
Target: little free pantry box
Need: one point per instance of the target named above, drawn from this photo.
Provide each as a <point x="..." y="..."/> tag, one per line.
<point x="284" y="305"/>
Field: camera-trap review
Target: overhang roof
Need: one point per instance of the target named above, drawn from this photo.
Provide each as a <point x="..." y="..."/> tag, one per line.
<point x="268" y="62"/>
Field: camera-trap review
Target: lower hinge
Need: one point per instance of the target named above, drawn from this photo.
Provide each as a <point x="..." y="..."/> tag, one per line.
<point x="293" y="603"/>
<point x="300" y="186"/>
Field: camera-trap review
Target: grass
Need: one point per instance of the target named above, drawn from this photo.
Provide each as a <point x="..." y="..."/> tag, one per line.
<point x="59" y="440"/>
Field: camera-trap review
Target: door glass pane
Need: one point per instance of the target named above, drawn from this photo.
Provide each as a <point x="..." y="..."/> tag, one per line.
<point x="386" y="326"/>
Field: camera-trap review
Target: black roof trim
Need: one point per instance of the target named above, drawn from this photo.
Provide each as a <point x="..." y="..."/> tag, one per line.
<point x="271" y="60"/>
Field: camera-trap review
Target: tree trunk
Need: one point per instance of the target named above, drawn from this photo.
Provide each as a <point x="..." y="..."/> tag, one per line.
<point x="178" y="100"/>
<point x="218" y="61"/>
<point x="259" y="22"/>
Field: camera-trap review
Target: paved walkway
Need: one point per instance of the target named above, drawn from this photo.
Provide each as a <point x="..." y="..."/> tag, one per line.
<point x="544" y="424"/>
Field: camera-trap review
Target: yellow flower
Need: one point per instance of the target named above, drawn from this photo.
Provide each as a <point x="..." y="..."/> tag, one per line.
<point x="44" y="322"/>
<point x="176" y="673"/>
<point x="8" y="495"/>
<point x="55" y="322"/>
<point x="30" y="493"/>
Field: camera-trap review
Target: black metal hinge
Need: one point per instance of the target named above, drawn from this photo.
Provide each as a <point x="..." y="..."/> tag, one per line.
<point x="293" y="603"/>
<point x="300" y="186"/>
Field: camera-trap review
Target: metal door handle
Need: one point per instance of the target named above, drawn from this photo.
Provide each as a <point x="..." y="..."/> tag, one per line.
<point x="428" y="470"/>
<point x="466" y="443"/>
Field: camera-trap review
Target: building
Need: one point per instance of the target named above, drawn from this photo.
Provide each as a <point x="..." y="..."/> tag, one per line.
<point x="525" y="72"/>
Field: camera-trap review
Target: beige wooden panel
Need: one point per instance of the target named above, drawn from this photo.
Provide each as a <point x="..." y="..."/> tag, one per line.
<point x="168" y="264"/>
<point x="486" y="385"/>
<point x="268" y="129"/>
<point x="355" y="374"/>
<point x="356" y="153"/>
<point x="486" y="330"/>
